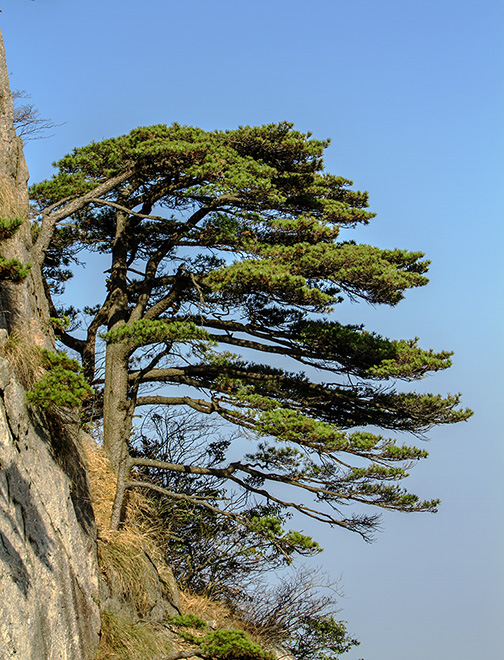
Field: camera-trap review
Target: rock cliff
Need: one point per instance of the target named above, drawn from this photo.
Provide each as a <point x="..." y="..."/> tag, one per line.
<point x="48" y="559"/>
<point x="49" y="574"/>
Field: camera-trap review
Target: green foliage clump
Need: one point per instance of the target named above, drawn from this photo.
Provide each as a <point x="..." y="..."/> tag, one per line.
<point x="64" y="186"/>
<point x="270" y="527"/>
<point x="13" y="270"/>
<point x="63" y="385"/>
<point x="243" y="278"/>
<point x="9" y="226"/>
<point x="144" y="331"/>
<point x="411" y="361"/>
<point x="232" y="645"/>
<point x="60" y="324"/>
<point x="292" y="425"/>
<point x="368" y="354"/>
<point x="301" y="542"/>
<point x="188" y="621"/>
<point x="321" y="638"/>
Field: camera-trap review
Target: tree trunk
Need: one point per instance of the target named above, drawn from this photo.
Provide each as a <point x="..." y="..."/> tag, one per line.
<point x="117" y="408"/>
<point x="117" y="416"/>
<point x="117" y="423"/>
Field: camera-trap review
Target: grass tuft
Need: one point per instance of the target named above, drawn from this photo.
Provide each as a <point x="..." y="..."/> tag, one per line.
<point x="123" y="639"/>
<point x="24" y="358"/>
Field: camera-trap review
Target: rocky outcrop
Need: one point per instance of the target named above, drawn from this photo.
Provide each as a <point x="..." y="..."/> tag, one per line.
<point x="48" y="560"/>
<point x="48" y="564"/>
<point x="23" y="306"/>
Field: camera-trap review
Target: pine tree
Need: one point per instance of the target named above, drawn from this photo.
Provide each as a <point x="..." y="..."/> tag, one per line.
<point x="226" y="267"/>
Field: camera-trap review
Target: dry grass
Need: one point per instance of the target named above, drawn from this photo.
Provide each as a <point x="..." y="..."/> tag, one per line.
<point x="122" y="639"/>
<point x="142" y="529"/>
<point x="124" y="561"/>
<point x="102" y="481"/>
<point x="141" y="518"/>
<point x="126" y="556"/>
<point x="126" y="566"/>
<point x="24" y="358"/>
<point x="213" y="613"/>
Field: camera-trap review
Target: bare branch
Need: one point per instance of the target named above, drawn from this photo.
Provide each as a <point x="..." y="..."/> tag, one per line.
<point x="27" y="121"/>
<point x="120" y="207"/>
<point x="201" y="405"/>
<point x="199" y="502"/>
<point x="229" y="473"/>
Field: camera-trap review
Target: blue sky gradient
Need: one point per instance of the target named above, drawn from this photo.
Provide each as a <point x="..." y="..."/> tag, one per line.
<point x="412" y="95"/>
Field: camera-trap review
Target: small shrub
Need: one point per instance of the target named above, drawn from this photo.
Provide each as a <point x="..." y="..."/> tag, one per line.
<point x="188" y="621"/>
<point x="232" y="645"/>
<point x="321" y="638"/>
<point x="13" y="270"/>
<point x="298" y="613"/>
<point x="9" y="226"/>
<point x="63" y="385"/>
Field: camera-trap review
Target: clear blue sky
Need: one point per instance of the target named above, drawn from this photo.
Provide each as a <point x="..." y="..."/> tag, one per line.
<point x="411" y="94"/>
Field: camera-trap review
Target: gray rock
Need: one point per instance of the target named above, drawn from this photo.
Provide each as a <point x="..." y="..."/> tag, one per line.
<point x="48" y="563"/>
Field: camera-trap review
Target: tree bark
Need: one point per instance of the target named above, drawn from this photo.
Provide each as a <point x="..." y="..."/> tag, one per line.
<point x="117" y="407"/>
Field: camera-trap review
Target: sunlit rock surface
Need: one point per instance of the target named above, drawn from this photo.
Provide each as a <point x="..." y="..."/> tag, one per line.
<point x="48" y="564"/>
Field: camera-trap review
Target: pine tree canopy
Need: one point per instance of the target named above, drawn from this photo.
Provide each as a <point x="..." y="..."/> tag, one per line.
<point x="225" y="275"/>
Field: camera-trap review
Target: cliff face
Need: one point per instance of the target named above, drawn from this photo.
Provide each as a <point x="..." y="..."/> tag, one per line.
<point x="48" y="565"/>
<point x="48" y="562"/>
